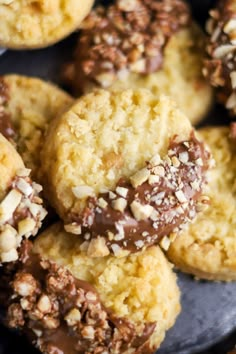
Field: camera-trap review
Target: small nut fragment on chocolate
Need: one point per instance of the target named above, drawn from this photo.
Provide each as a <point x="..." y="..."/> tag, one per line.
<point x="119" y="204"/>
<point x="98" y="247"/>
<point x="9" y="205"/>
<point x="8" y="239"/>
<point x="73" y="228"/>
<point x="141" y="212"/>
<point x="73" y="317"/>
<point x="9" y="256"/>
<point x="140" y="177"/>
<point x="25" y="285"/>
<point x="44" y="304"/>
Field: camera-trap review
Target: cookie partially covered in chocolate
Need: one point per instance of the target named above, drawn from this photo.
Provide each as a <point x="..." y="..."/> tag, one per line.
<point x="143" y="44"/>
<point x="124" y="170"/>
<point x="69" y="303"/>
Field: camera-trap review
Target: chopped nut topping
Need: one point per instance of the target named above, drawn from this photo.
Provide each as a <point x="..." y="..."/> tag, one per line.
<point x="102" y="203"/>
<point x="21" y="215"/>
<point x="141" y="212"/>
<point x="122" y="191"/>
<point x="152" y="179"/>
<point x="119" y="204"/>
<point x="24" y="187"/>
<point x="8" y="239"/>
<point x="140" y="177"/>
<point x="98" y="248"/>
<point x="44" y="304"/>
<point x="180" y="196"/>
<point x="165" y="198"/>
<point x="25" y="285"/>
<point x="73" y="317"/>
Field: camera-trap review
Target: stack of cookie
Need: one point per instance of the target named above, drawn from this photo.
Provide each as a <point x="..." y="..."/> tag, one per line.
<point x="126" y="173"/>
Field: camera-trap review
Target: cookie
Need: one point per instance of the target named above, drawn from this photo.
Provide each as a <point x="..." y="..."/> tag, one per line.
<point x="207" y="248"/>
<point x="123" y="169"/>
<point x="37" y="24"/>
<point x="220" y="67"/>
<point x="70" y="303"/>
<point x="21" y="210"/>
<point x="143" y="44"/>
<point x="27" y="105"/>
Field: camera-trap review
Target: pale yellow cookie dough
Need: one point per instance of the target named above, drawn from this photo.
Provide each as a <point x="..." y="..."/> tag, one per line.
<point x="10" y="163"/>
<point x="32" y="104"/>
<point x="207" y="248"/>
<point x="103" y="137"/>
<point x="39" y="23"/>
<point x="152" y="294"/>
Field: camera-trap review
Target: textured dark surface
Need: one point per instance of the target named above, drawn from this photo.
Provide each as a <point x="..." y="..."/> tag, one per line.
<point x="208" y="319"/>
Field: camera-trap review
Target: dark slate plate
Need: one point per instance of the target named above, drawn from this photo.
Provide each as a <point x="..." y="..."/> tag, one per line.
<point x="207" y="324"/>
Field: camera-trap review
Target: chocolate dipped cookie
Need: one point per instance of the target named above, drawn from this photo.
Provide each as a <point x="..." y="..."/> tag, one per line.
<point x="69" y="303"/>
<point x="143" y="44"/>
<point x="207" y="248"/>
<point x="37" y="24"/>
<point x="124" y="170"/>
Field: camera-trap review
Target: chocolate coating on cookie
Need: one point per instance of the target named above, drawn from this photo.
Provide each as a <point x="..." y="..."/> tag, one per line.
<point x="220" y="68"/>
<point x="128" y="36"/>
<point x="62" y="314"/>
<point x="6" y="126"/>
<point x="141" y="211"/>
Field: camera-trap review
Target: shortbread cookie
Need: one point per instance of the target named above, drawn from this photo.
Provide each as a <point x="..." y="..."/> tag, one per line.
<point x="123" y="169"/>
<point x="71" y="303"/>
<point x="21" y="210"/>
<point x="220" y="67"/>
<point x="207" y="248"/>
<point x="39" y="23"/>
<point x="150" y="44"/>
<point x="27" y="105"/>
